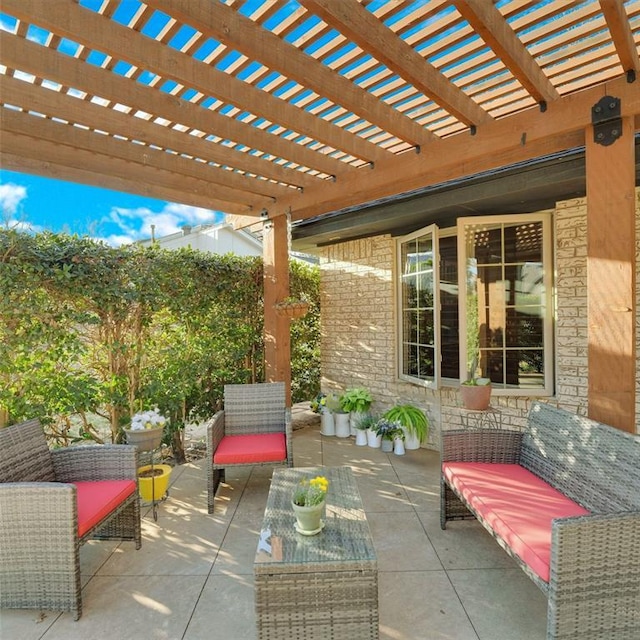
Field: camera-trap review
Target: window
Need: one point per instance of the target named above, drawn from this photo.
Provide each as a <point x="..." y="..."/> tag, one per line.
<point x="501" y="327"/>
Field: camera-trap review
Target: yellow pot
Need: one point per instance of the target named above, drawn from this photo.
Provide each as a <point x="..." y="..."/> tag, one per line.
<point x="153" y="488"/>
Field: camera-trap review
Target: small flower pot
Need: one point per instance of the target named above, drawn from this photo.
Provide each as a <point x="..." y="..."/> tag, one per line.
<point x="341" y="421"/>
<point x="327" y="425"/>
<point x="354" y="420"/>
<point x="361" y="437"/>
<point x="145" y="439"/>
<point x="308" y="519"/>
<point x="475" y="397"/>
<point x="386" y="445"/>
<point x="153" y="481"/>
<point x="373" y="439"/>
<point x="398" y="447"/>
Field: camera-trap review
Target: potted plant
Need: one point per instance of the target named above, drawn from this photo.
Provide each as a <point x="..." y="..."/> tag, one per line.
<point x="387" y="430"/>
<point x="398" y="442"/>
<point x="341" y="420"/>
<point x="475" y="391"/>
<point x="356" y="402"/>
<point x="413" y="421"/>
<point x="364" y="427"/>
<point x="146" y="430"/>
<point x="291" y="307"/>
<point x="308" y="504"/>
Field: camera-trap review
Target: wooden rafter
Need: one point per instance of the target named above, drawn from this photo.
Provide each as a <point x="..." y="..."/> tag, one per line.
<point x="620" y="30"/>
<point x="371" y="35"/>
<point x="70" y="72"/>
<point x="226" y="25"/>
<point x="489" y="23"/>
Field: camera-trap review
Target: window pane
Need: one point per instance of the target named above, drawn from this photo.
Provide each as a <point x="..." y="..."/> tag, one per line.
<point x="410" y="360"/>
<point x="449" y="324"/>
<point x="409" y="292"/>
<point x="426" y="368"/>
<point x="506" y="302"/>
<point x="426" y="332"/>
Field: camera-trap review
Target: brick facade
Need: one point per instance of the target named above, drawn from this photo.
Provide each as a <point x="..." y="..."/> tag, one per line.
<point x="358" y="343"/>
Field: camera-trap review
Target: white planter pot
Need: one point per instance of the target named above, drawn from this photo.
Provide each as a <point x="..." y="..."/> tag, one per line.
<point x="398" y="447"/>
<point x="387" y="445"/>
<point x="361" y="437"/>
<point x="373" y="440"/>
<point x="354" y="420"/>
<point x="410" y="441"/>
<point x="341" y="421"/>
<point x="327" y="425"/>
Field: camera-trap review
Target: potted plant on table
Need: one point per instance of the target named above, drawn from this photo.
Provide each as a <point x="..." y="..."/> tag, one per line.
<point x="308" y="504"/>
<point x="413" y="421"/>
<point x="356" y="402"/>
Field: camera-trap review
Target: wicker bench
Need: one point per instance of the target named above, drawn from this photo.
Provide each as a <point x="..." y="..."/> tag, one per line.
<point x="563" y="499"/>
<point x="51" y="502"/>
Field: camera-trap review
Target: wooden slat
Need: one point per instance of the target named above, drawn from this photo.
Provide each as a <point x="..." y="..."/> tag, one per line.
<point x="371" y="35"/>
<point x="219" y="22"/>
<point x="90" y="29"/>
<point x="49" y="64"/>
<point x="51" y="169"/>
<point x="51" y="103"/>
<point x="489" y="23"/>
<point x="611" y="282"/>
<point x="519" y="137"/>
<point x="228" y="185"/>
<point x="74" y="158"/>
<point x="620" y="30"/>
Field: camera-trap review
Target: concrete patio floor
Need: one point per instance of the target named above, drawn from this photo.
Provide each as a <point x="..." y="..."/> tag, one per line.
<point x="193" y="577"/>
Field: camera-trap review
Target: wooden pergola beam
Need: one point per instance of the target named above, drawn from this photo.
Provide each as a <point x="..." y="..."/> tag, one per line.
<point x="521" y="137"/>
<point x="373" y="36"/>
<point x="611" y="278"/>
<point x="620" y="29"/>
<point x="51" y="169"/>
<point x="44" y="62"/>
<point x="489" y="23"/>
<point x="231" y="28"/>
<point x="98" y="32"/>
<point x="97" y="164"/>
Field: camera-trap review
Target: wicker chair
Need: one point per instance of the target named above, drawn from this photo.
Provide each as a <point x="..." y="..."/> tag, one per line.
<point x="254" y="428"/>
<point x="51" y="502"/>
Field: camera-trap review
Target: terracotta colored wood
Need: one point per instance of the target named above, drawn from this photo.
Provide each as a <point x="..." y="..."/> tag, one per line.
<point x="611" y="268"/>
<point x="277" y="339"/>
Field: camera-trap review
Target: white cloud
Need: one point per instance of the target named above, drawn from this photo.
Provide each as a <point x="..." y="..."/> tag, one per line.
<point x="135" y="224"/>
<point x="11" y="195"/>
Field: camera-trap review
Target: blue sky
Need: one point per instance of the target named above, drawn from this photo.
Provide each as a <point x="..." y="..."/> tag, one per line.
<point x="43" y="204"/>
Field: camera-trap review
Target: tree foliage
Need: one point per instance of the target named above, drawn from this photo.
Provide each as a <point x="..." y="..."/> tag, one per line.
<point x="89" y="331"/>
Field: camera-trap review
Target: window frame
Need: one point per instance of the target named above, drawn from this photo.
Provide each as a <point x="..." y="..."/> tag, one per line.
<point x="546" y="219"/>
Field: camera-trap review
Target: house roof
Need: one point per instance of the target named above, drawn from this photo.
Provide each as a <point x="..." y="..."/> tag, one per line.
<point x="261" y="108"/>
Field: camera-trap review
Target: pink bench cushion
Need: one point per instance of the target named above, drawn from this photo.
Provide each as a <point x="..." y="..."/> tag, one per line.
<point x="251" y="449"/>
<point x="97" y="499"/>
<point x="517" y="505"/>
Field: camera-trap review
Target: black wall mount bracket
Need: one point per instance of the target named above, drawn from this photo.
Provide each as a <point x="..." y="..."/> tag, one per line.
<point x="606" y="120"/>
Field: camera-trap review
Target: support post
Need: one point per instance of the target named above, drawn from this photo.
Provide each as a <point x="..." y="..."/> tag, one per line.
<point x="611" y="269"/>
<point x="277" y="339"/>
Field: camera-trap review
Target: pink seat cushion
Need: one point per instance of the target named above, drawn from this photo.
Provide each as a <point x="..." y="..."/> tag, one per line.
<point x="249" y="449"/>
<point x="517" y="505"/>
<point x="97" y="499"/>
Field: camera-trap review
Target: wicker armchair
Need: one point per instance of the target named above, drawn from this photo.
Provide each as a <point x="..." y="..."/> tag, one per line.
<point x="254" y="428"/>
<point x="51" y="502"/>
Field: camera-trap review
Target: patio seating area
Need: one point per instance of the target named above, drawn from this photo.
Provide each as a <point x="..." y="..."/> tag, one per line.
<point x="193" y="577"/>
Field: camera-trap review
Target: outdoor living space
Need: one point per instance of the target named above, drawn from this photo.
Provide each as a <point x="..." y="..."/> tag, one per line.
<point x="193" y="577"/>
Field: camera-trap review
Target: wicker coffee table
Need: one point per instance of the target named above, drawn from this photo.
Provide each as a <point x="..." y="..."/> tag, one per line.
<point x="322" y="586"/>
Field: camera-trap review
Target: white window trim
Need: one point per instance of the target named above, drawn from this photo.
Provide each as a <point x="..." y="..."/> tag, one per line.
<point x="546" y="217"/>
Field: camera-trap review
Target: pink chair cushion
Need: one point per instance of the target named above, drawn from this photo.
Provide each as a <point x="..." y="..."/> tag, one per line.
<point x="251" y="449"/>
<point x="97" y="499"/>
<point x="517" y="505"/>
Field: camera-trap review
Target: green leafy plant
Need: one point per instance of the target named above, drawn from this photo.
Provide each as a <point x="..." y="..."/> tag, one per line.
<point x="357" y="399"/>
<point x="368" y="421"/>
<point x="310" y="492"/>
<point x="411" y="417"/>
<point x="388" y="429"/>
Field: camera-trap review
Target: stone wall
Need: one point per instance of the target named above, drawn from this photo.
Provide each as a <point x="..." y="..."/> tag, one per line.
<point x="358" y="323"/>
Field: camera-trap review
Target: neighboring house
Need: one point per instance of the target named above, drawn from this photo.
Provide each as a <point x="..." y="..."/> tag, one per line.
<point x="393" y="322"/>
<point x="219" y="238"/>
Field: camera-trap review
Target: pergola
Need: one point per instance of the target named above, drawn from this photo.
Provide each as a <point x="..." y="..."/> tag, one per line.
<point x="278" y="111"/>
